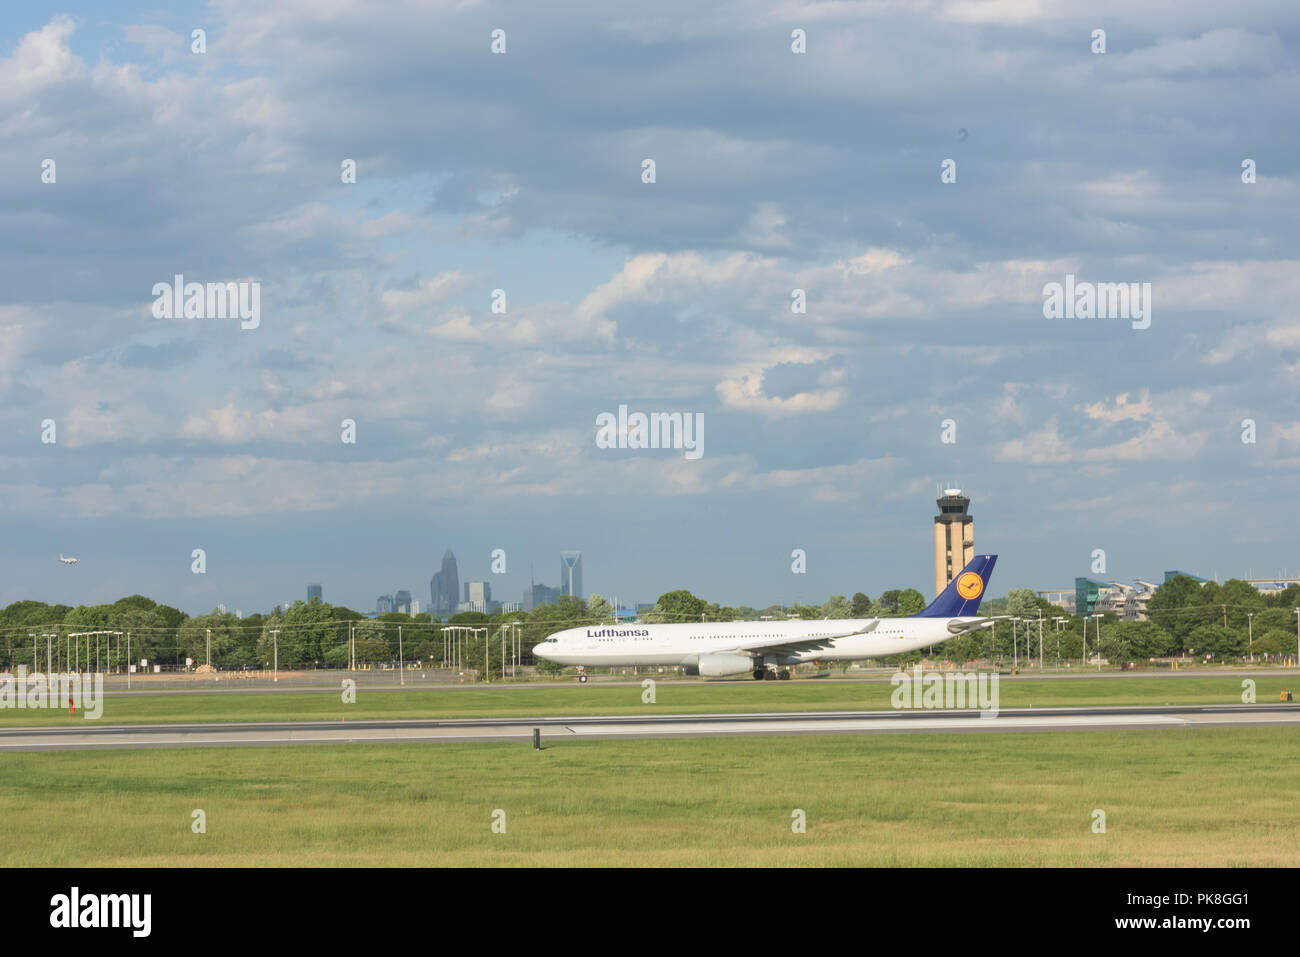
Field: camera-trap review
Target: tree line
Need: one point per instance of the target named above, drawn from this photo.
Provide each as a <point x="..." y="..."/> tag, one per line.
<point x="1185" y="616"/>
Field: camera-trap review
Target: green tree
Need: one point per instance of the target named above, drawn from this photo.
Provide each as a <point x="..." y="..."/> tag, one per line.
<point x="306" y="633"/>
<point x="1275" y="641"/>
<point x="192" y="639"/>
<point x="1217" y="640"/>
<point x="1180" y="605"/>
<point x="1022" y="603"/>
<point x="600" y="609"/>
<point x="679" y="605"/>
<point x="837" y="606"/>
<point x="910" y="602"/>
<point x="468" y="618"/>
<point x="1268" y="619"/>
<point x="1239" y="598"/>
<point x="861" y="607"/>
<point x="1288" y="598"/>
<point x="1147" y="639"/>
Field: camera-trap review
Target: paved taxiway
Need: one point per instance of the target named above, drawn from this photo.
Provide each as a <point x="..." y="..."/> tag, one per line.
<point x="328" y="682"/>
<point x="88" y="736"/>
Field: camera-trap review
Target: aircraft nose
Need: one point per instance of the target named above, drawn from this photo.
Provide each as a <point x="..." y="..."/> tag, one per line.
<point x="538" y="652"/>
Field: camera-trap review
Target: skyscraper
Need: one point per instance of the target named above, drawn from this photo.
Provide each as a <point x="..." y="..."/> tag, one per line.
<point x="954" y="537"/>
<point x="314" y="591"/>
<point x="571" y="573"/>
<point x="537" y="595"/>
<point x="444" y="587"/>
<point x="403" y="601"/>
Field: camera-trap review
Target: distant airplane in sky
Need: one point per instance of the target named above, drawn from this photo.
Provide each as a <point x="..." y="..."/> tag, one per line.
<point x="67" y="561"/>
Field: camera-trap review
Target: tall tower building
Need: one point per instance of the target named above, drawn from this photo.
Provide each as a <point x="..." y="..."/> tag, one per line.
<point x="314" y="591"/>
<point x="954" y="537"/>
<point x="444" y="587"/>
<point x="571" y="574"/>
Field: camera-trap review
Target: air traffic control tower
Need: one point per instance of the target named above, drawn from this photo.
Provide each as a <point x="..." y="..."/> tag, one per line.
<point x="954" y="537"/>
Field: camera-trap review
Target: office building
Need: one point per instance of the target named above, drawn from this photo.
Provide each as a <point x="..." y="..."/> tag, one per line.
<point x="537" y="595"/>
<point x="314" y="591"/>
<point x="1272" y="586"/>
<point x="1062" y="598"/>
<point x="1128" y="602"/>
<point x="444" y="587"/>
<point x="571" y="573"/>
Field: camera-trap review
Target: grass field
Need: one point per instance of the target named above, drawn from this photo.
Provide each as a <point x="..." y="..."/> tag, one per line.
<point x="570" y="698"/>
<point x="1204" y="797"/>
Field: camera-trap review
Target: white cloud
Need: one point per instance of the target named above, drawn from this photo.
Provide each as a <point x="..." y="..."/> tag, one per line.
<point x="744" y="389"/>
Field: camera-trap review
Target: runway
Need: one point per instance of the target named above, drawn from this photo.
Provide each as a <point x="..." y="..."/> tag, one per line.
<point x="554" y="731"/>
<point x="327" y="682"/>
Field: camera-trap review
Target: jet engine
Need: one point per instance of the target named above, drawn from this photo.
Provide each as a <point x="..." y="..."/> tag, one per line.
<point x="722" y="666"/>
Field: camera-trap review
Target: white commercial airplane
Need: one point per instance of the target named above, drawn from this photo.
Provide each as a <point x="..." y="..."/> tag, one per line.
<point x="67" y="561"/>
<point x="767" y="648"/>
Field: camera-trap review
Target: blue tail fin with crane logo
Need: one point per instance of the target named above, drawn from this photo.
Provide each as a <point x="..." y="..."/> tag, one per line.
<point x="962" y="596"/>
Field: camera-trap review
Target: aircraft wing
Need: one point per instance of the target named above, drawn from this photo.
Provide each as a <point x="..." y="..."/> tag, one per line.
<point x="959" y="627"/>
<point x="776" y="646"/>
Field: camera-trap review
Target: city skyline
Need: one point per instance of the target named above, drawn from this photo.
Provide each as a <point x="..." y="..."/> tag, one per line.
<point x="502" y="590"/>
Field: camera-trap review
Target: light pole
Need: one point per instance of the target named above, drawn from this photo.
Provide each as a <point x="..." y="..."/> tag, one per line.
<point x="401" y="662"/>
<point x="209" y="631"/>
<point x="1097" y="638"/>
<point x="1250" y="635"/>
<point x="275" y="640"/>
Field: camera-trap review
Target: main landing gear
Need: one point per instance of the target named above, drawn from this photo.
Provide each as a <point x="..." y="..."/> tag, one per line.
<point x="771" y="674"/>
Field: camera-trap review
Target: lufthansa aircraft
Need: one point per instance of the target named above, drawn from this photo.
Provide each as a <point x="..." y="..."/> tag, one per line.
<point x="67" y="561"/>
<point x="768" y="648"/>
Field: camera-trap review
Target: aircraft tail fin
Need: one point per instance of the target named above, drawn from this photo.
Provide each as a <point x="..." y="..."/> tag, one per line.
<point x="962" y="596"/>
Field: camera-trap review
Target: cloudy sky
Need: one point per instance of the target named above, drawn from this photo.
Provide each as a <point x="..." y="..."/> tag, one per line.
<point x="523" y="172"/>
